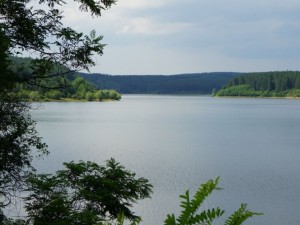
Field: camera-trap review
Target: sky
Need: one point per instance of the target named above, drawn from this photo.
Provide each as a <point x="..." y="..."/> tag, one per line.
<point x="192" y="36"/>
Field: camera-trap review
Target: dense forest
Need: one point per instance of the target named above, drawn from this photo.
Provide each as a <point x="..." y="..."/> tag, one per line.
<point x="266" y="84"/>
<point x="198" y="83"/>
<point x="71" y="86"/>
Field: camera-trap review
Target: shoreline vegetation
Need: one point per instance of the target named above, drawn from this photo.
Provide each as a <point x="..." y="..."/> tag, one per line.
<point x="245" y="91"/>
<point x="65" y="96"/>
<point x="263" y="85"/>
<point x="70" y="87"/>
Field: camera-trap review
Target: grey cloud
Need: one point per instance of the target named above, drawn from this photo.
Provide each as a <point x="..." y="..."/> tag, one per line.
<point x="247" y="32"/>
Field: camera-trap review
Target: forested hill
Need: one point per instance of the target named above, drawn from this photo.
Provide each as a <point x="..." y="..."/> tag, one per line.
<point x="266" y="84"/>
<point x="198" y="83"/>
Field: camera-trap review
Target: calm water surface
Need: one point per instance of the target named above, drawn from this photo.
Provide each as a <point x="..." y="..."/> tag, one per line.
<point x="178" y="142"/>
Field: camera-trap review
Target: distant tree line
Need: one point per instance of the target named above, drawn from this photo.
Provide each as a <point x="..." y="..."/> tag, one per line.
<point x="266" y="84"/>
<point x="199" y="83"/>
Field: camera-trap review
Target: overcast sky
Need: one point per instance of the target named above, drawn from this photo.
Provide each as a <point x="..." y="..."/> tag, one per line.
<point x="191" y="36"/>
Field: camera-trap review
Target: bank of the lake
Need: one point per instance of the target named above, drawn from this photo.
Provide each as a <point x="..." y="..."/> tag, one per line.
<point x="72" y="100"/>
<point x="257" y="97"/>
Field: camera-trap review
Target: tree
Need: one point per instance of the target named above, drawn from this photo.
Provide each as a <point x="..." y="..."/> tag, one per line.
<point x="40" y="31"/>
<point x="85" y="193"/>
<point x="26" y="28"/>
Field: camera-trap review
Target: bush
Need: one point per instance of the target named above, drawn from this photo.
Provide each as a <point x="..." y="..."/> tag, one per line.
<point x="89" y="96"/>
<point x="112" y="94"/>
<point x="85" y="193"/>
<point x="295" y="93"/>
<point x="99" y="95"/>
<point x="54" y="94"/>
<point x="34" y="96"/>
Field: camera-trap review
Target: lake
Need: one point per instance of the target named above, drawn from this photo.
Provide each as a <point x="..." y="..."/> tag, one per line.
<point x="179" y="142"/>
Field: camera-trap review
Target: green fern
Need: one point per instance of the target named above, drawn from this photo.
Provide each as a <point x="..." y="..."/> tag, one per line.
<point x="189" y="215"/>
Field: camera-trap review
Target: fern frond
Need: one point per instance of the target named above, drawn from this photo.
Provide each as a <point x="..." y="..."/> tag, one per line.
<point x="241" y="215"/>
<point x="185" y="205"/>
<point x="207" y="217"/>
<point x="191" y="207"/>
<point x="203" y="192"/>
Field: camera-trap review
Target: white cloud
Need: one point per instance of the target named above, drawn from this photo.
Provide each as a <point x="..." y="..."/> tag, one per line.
<point x="140" y="4"/>
<point x="148" y="26"/>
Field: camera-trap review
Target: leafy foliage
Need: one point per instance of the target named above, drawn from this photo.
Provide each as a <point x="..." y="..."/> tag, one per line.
<point x="85" y="193"/>
<point x="190" y="216"/>
<point x="17" y="139"/>
<point x="28" y="28"/>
